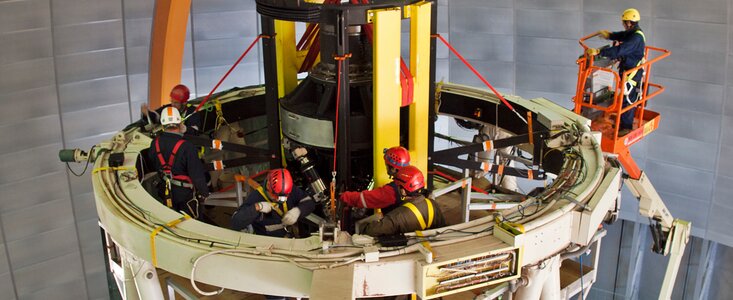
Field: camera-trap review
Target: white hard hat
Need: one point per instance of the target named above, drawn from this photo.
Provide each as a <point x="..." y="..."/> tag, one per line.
<point x="170" y="115"/>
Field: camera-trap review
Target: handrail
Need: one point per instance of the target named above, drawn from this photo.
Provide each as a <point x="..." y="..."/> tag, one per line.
<point x="583" y="39"/>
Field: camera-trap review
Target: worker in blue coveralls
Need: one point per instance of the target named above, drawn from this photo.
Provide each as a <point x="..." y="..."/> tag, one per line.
<point x="630" y="53"/>
<point x="272" y="210"/>
<point x="181" y="171"/>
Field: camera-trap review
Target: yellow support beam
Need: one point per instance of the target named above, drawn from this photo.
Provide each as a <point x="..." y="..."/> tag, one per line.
<point x="387" y="90"/>
<point x="420" y="68"/>
<point x="287" y="68"/>
<point x="166" y="49"/>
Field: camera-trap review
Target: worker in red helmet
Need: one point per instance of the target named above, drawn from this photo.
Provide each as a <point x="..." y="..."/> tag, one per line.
<point x="179" y="99"/>
<point x="272" y="209"/>
<point x="416" y="212"/>
<point x="386" y="196"/>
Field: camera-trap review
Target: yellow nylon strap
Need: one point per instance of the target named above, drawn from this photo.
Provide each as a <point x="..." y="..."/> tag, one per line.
<point x="157" y="230"/>
<point x="425" y="242"/>
<point x="431" y="212"/>
<point x="112" y="169"/>
<point x="259" y="188"/>
<point x="417" y="213"/>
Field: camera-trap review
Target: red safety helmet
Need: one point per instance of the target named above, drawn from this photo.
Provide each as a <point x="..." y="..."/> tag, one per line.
<point x="180" y="93"/>
<point x="410" y="178"/>
<point x="280" y="183"/>
<point x="397" y="157"/>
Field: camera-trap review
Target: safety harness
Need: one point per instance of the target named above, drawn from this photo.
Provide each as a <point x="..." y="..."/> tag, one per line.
<point x="630" y="82"/>
<point x="166" y="166"/>
<point x="420" y="218"/>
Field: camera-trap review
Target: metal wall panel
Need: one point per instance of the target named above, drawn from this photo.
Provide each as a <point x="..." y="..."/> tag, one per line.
<point x="80" y="95"/>
<point x="28" y="104"/>
<point x="6" y="285"/>
<point x="720" y="221"/>
<point x="475" y="19"/>
<point x="223" y="52"/>
<point x="689" y="95"/>
<point x="138" y="9"/>
<point x="679" y="150"/>
<point x="96" y="120"/>
<point x="26" y="45"/>
<point x="23" y="15"/>
<point x="480" y="3"/>
<point x="32" y="191"/>
<point x="499" y="74"/>
<point x="556" y="79"/>
<point x="221" y="25"/>
<point x="37" y="132"/>
<point x="244" y="74"/>
<point x="481" y="46"/>
<point x="33" y="220"/>
<point x="677" y="180"/>
<point x="72" y="290"/>
<point x="689" y="209"/>
<point x="698" y="49"/>
<point x="689" y="124"/>
<point x="27" y="75"/>
<point x="548" y="23"/>
<point x="618" y="6"/>
<point x="67" y="12"/>
<point x="76" y="67"/>
<point x="88" y="37"/>
<point x="725" y="164"/>
<point x="545" y="51"/>
<point x="137" y="32"/>
<point x="42" y="247"/>
<point x="60" y="273"/>
<point x="221" y="6"/>
<point x="708" y="11"/>
<point x="726" y="137"/>
<point x="550" y="4"/>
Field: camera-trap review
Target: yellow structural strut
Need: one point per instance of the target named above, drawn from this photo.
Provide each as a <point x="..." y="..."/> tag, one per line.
<point x="387" y="90"/>
<point x="420" y="68"/>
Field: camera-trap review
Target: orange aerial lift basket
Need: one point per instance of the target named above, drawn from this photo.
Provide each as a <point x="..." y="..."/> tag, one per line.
<point x="599" y="96"/>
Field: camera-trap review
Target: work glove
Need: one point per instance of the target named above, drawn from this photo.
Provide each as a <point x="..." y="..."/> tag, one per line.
<point x="291" y="216"/>
<point x="264" y="207"/>
<point x="605" y="34"/>
<point x="592" y="51"/>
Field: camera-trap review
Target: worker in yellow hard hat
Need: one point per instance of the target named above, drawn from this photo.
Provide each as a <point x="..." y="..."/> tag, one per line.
<point x="629" y="51"/>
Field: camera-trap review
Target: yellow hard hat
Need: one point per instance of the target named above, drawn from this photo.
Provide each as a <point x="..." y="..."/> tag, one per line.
<point x="631" y="14"/>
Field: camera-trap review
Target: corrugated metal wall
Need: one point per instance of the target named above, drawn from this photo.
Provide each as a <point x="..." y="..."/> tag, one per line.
<point x="72" y="72"/>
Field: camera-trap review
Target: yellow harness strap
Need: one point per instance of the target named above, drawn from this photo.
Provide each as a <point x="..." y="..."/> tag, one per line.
<point x="419" y="215"/>
<point x="630" y="77"/>
<point x="158" y="230"/>
<point x="259" y="188"/>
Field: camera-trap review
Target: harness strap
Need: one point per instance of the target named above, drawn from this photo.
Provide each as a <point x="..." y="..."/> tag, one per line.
<point x="258" y="187"/>
<point x="419" y="215"/>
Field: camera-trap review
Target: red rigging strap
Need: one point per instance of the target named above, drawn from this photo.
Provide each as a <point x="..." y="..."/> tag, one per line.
<point x="230" y="70"/>
<point x="465" y="62"/>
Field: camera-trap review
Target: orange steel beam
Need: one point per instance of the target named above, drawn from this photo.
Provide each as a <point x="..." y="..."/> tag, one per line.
<point x="166" y="49"/>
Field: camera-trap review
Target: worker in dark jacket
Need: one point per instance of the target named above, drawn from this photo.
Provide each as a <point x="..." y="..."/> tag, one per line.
<point x="387" y="195"/>
<point x="630" y="53"/>
<point x="179" y="99"/>
<point x="179" y="165"/>
<point x="270" y="211"/>
<point x="416" y="212"/>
